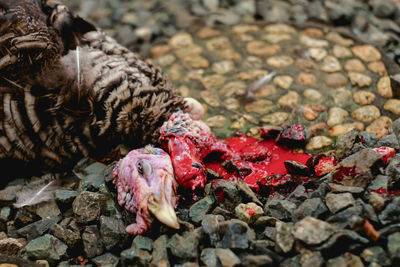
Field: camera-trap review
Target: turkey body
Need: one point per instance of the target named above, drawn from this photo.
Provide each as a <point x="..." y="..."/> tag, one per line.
<point x="79" y="94"/>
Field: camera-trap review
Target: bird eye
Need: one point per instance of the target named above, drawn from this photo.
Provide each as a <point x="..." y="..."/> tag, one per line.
<point x="144" y="168"/>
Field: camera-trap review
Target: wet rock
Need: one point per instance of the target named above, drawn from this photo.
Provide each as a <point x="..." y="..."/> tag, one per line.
<point x="393" y="105"/>
<point x="88" y="206"/>
<point x="106" y="259"/>
<point x="262" y="106"/>
<point x="364" y="97"/>
<point x="283" y="81"/>
<point x="375" y="254"/>
<point x="341" y="52"/>
<point x="384" y="87"/>
<point x="306" y="79"/>
<point x="135" y="257"/>
<point x="317" y="54"/>
<point x="318" y="142"/>
<point x="226" y="193"/>
<point x="200" y="208"/>
<point x="38" y="228"/>
<point x="185" y="247"/>
<point x="394" y="246"/>
<point x="113" y="233"/>
<point x="366" y="113"/>
<point x="359" y="79"/>
<point x="335" y="80"/>
<point x="293" y="136"/>
<point x="223" y="67"/>
<point x="248" y="212"/>
<point x="354" y="65"/>
<point x="226" y="257"/>
<point x="336" y="116"/>
<point x="312" y="95"/>
<point x="92" y="242"/>
<point x="312" y="231"/>
<point x="11" y="246"/>
<point x="357" y="169"/>
<point x="262" y="49"/>
<point x="280" y="209"/>
<point x="235" y="236"/>
<point x="330" y="64"/>
<point x="377" y="67"/>
<point x="142" y="242"/>
<point x="380" y="127"/>
<point x="160" y="253"/>
<point x="337" y="202"/>
<point x="283" y="236"/>
<point x="391" y="213"/>
<point x="280" y="61"/>
<point x="366" y="53"/>
<point x="276" y="118"/>
<point x="46" y="247"/>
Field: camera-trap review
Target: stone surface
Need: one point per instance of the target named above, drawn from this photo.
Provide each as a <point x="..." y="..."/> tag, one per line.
<point x="248" y="212"/>
<point x="337" y="202"/>
<point x="46" y="247"/>
<point x="88" y="206"/>
<point x="312" y="231"/>
<point x="367" y="113"/>
<point x="393" y="105"/>
<point x="200" y="208"/>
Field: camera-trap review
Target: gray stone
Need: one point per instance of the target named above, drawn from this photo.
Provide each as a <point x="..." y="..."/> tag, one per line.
<point x="142" y="242"/>
<point x="394" y="246"/>
<point x="226" y="192"/>
<point x="313" y="260"/>
<point x="36" y="229"/>
<point x="312" y="231"/>
<point x="210" y="225"/>
<point x="48" y="209"/>
<point x="88" y="206"/>
<point x="226" y="257"/>
<point x="199" y="209"/>
<point x="160" y="253"/>
<point x="135" y="257"/>
<point x="313" y="207"/>
<point x="11" y="246"/>
<point x="235" y="236"/>
<point x="209" y="257"/>
<point x="389" y="140"/>
<point x="65" y="196"/>
<point x="336" y="241"/>
<point x="347" y="259"/>
<point x="393" y="171"/>
<point x="382" y="9"/>
<point x="345" y="142"/>
<point x="106" y="259"/>
<point x="337" y="202"/>
<point x="5" y="214"/>
<point x="342" y="219"/>
<point x="391" y="213"/>
<point x="113" y="233"/>
<point x="283" y="236"/>
<point x="68" y="236"/>
<point x="380" y="182"/>
<point x="8" y="194"/>
<point x="367" y="138"/>
<point x="342" y="188"/>
<point x="92" y="242"/>
<point x="280" y="209"/>
<point x="257" y="261"/>
<point x="375" y="254"/>
<point x="185" y="247"/>
<point x="46" y="247"/>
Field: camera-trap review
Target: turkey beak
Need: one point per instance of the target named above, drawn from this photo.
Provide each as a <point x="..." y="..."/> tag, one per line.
<point x="162" y="209"/>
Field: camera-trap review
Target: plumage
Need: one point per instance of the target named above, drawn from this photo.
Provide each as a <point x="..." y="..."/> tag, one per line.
<point x="68" y="90"/>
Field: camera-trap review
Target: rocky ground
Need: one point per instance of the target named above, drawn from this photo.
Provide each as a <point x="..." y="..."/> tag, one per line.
<point x="348" y="217"/>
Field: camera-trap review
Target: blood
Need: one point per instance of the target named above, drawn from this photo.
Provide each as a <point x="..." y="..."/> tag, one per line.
<point x="250" y="210"/>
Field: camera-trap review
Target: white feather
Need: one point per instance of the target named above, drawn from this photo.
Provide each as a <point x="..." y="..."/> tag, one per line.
<point x="32" y="196"/>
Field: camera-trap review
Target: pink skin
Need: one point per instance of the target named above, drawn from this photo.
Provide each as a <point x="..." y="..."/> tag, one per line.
<point x="144" y="174"/>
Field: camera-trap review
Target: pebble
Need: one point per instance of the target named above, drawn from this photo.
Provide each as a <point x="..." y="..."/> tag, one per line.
<point x="262" y="49"/>
<point x="337" y="202"/>
<point x="181" y="40"/>
<point x="218" y="43"/>
<point x="164" y="60"/>
<point x="331" y="64"/>
<point x="363" y="97"/>
<point x="226" y="257"/>
<point x="376" y="201"/>
<point x="262" y="106"/>
<point x="367" y="53"/>
<point x="310" y="114"/>
<point x="275" y="38"/>
<point x="336" y="116"/>
<point x="289" y="100"/>
<point x="283" y="81"/>
<point x="248" y="212"/>
<point x="305" y="65"/>
<point x="196" y="61"/>
<point x="393" y="105"/>
<point x="280" y="61"/>
<point x="377" y="67"/>
<point x="279" y="28"/>
<point x="252" y="62"/>
<point x="306" y="79"/>
<point x="344" y="128"/>
<point x="339" y="39"/>
<point x="312" y="95"/>
<point x="313" y="42"/>
<point x="312" y="32"/>
<point x="341" y="51"/>
<point x="359" y="79"/>
<point x="46" y="247"/>
<point x="231" y="103"/>
<point x="384" y="87"/>
<point x="266" y="91"/>
<point x="313" y="207"/>
<point x="159" y="50"/>
<point x="199" y="209"/>
<point x="312" y="231"/>
<point x="317" y="53"/>
<point x="380" y="126"/>
<point x="318" y="142"/>
<point x="88" y="206"/>
<point x="223" y="67"/>
<point x="237" y="88"/>
<point x="366" y="113"/>
<point x="335" y="80"/>
<point x="341" y="95"/>
<point x="283" y="237"/>
<point x="210" y="98"/>
<point x="207" y="33"/>
<point x="238" y="124"/>
<point x="354" y="65"/>
<point x="277" y="118"/>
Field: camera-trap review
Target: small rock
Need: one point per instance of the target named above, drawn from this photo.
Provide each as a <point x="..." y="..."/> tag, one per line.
<point x="207" y="33"/>
<point x="280" y="209"/>
<point x="279" y="28"/>
<point x="335" y="80"/>
<point x="359" y="79"/>
<point x="354" y="65"/>
<point x="160" y="253"/>
<point x="312" y="95"/>
<point x="312" y="231"/>
<point x="113" y="233"/>
<point x="341" y="96"/>
<point x="262" y="49"/>
<point x="209" y="257"/>
<point x="210" y="225"/>
<point x="237" y="88"/>
<point x="317" y="54"/>
<point x="184" y="247"/>
<point x="262" y="106"/>
<point x="69" y="237"/>
<point x="284" y="238"/>
<point x="318" y="142"/>
<point x="391" y="213"/>
<point x="347" y="260"/>
<point x="257" y="261"/>
<point x="339" y="39"/>
<point x="394" y="246"/>
<point x="306" y="79"/>
<point x="313" y="42"/>
<point x="363" y="97"/>
<point x="376" y="201"/>
<point x="223" y="67"/>
<point x="10" y="246"/>
<point x="64" y="197"/>
<point x="280" y="61"/>
<point x="367" y="113"/>
<point x="367" y="53"/>
<point x="217" y="121"/>
<point x="337" y="202"/>
<point x="8" y="194"/>
<point x="293" y="136"/>
<point x="92" y="242"/>
<point x="277" y="118"/>
<point x="46" y="247"/>
<point x="142" y="242"/>
<point x="226" y="193"/>
<point x="380" y="127"/>
<point x="37" y="228"/>
<point x="283" y="81"/>
<point x="336" y="116"/>
<point x="377" y="67"/>
<point x="289" y="100"/>
<point x="135" y="257"/>
<point x="384" y="87"/>
<point x="305" y="65"/>
<point x="313" y="207"/>
<point x="375" y="254"/>
<point x="331" y="64"/>
<point x="200" y="208"/>
<point x="48" y="209"/>
<point x="235" y="236"/>
<point x="210" y="98"/>
<point x="226" y="257"/>
<point x="181" y="40"/>
<point x="393" y="105"/>
<point x="340" y="129"/>
<point x="248" y="212"/>
<point x="341" y="51"/>
<point x="389" y="140"/>
<point x="106" y="259"/>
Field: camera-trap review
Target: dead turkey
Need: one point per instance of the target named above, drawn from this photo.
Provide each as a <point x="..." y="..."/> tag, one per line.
<point x="68" y="90"/>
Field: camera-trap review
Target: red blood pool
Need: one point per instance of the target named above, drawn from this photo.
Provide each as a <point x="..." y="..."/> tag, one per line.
<point x="324" y="166"/>
<point x="273" y="157"/>
<point x="387" y="153"/>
